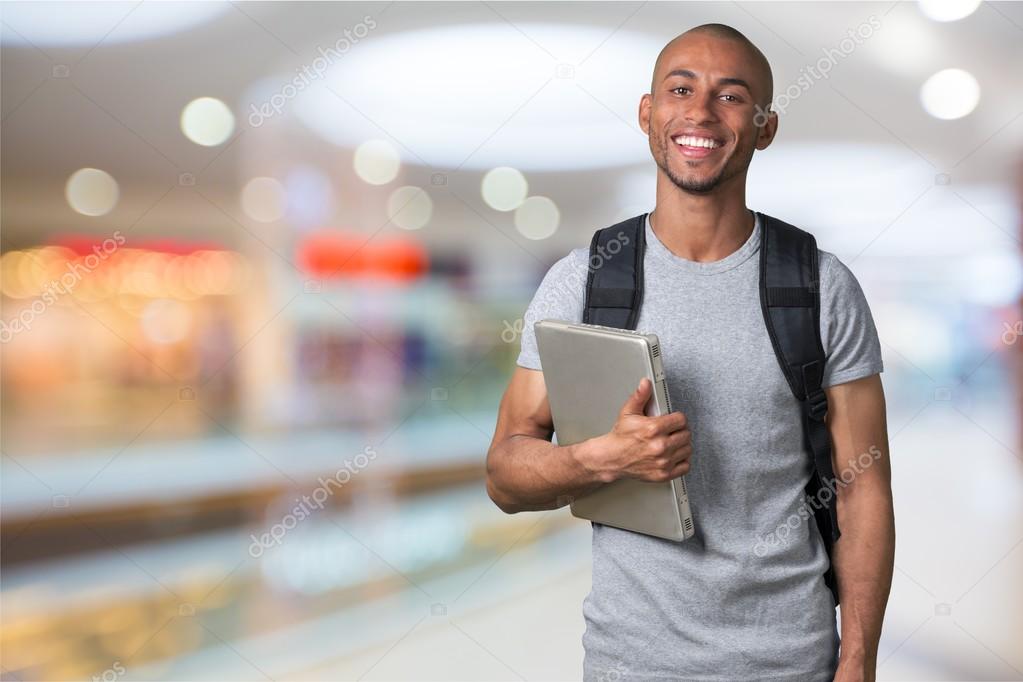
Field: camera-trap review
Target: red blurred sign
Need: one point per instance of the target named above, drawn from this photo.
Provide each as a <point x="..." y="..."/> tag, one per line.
<point x="330" y="254"/>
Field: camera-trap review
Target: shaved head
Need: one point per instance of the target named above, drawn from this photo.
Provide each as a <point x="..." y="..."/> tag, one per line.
<point x="765" y="86"/>
<point x="708" y="109"/>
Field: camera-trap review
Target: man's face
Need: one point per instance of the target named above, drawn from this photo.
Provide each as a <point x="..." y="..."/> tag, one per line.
<point x="700" y="117"/>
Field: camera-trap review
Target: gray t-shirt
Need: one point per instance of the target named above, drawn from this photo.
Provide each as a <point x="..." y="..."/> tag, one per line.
<point x="745" y="597"/>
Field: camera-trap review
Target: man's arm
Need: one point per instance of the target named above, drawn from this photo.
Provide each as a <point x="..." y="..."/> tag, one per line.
<point x="522" y="473"/>
<point x="526" y="472"/>
<point x="864" y="555"/>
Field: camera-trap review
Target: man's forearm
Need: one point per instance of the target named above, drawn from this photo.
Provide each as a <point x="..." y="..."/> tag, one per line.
<point x="864" y="558"/>
<point x="544" y="475"/>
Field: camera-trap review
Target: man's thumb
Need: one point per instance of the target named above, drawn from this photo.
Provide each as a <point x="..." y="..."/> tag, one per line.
<point x="636" y="403"/>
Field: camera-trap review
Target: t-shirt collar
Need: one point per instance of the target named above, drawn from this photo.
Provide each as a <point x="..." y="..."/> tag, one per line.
<point x="657" y="248"/>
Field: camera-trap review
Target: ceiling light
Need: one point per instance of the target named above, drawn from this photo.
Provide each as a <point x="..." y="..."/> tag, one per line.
<point x="950" y="94"/>
<point x="480" y="95"/>
<point x="948" y="10"/>
<point x="88" y="23"/>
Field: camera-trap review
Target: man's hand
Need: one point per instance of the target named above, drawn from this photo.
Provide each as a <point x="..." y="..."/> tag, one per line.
<point x="642" y="447"/>
<point x="855" y="670"/>
<point x="526" y="472"/>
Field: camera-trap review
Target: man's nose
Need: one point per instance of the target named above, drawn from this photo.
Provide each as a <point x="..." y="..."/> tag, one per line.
<point x="700" y="109"/>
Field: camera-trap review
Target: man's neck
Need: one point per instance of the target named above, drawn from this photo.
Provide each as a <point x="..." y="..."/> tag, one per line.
<point x="701" y="227"/>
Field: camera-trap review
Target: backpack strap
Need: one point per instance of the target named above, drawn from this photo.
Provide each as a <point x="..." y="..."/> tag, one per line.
<point x="614" y="283"/>
<point x="790" y="300"/>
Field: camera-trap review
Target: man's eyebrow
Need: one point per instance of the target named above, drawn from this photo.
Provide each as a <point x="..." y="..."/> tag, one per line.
<point x="685" y="73"/>
<point x="728" y="80"/>
<point x="735" y="81"/>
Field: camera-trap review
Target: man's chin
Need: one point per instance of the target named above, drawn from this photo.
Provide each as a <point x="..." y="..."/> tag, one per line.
<point x="696" y="182"/>
<point x="693" y="183"/>
<point x="697" y="185"/>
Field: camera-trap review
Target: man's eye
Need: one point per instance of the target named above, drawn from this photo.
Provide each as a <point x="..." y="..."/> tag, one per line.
<point x="730" y="98"/>
<point x="681" y="87"/>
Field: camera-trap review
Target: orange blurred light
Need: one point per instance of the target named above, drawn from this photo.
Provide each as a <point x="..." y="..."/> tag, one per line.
<point x="331" y="254"/>
<point x="396" y="259"/>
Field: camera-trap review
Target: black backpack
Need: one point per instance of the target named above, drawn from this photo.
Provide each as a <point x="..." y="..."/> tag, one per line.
<point x="790" y="301"/>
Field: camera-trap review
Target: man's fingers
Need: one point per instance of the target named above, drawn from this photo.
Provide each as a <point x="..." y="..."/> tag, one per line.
<point x="671" y="422"/>
<point x="680" y="469"/>
<point x="679" y="440"/>
<point x="636" y="402"/>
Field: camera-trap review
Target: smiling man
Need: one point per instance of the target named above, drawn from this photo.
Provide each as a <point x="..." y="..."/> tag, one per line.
<point x="748" y="597"/>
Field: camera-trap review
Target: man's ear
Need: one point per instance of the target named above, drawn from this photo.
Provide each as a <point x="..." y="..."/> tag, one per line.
<point x="645" y="102"/>
<point x="767" y="121"/>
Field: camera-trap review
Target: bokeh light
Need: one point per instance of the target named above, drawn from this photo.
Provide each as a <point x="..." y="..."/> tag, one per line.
<point x="264" y="199"/>
<point x="409" y="207"/>
<point x="207" y="121"/>
<point x="504" y="188"/>
<point x="537" y="218"/>
<point x="91" y="191"/>
<point x="950" y="94"/>
<point x="377" y="162"/>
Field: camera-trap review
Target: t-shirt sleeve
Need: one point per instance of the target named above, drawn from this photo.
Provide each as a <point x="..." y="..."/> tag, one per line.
<point x="851" y="345"/>
<point x="560" y="296"/>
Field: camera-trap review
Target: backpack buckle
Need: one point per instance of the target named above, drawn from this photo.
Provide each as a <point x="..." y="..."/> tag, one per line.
<point x="817" y="405"/>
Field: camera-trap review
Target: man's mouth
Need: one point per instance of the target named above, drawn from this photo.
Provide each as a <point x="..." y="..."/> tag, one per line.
<point x="696" y="146"/>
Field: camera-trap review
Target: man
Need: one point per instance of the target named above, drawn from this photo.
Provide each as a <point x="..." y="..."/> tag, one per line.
<point x="745" y="598"/>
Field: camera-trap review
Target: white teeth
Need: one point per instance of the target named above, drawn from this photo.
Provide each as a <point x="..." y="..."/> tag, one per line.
<point x="692" y="141"/>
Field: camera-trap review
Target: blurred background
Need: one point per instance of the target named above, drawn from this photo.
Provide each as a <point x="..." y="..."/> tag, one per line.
<point x="263" y="273"/>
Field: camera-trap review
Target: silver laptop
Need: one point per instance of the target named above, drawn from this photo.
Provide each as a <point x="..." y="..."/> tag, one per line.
<point x="590" y="370"/>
